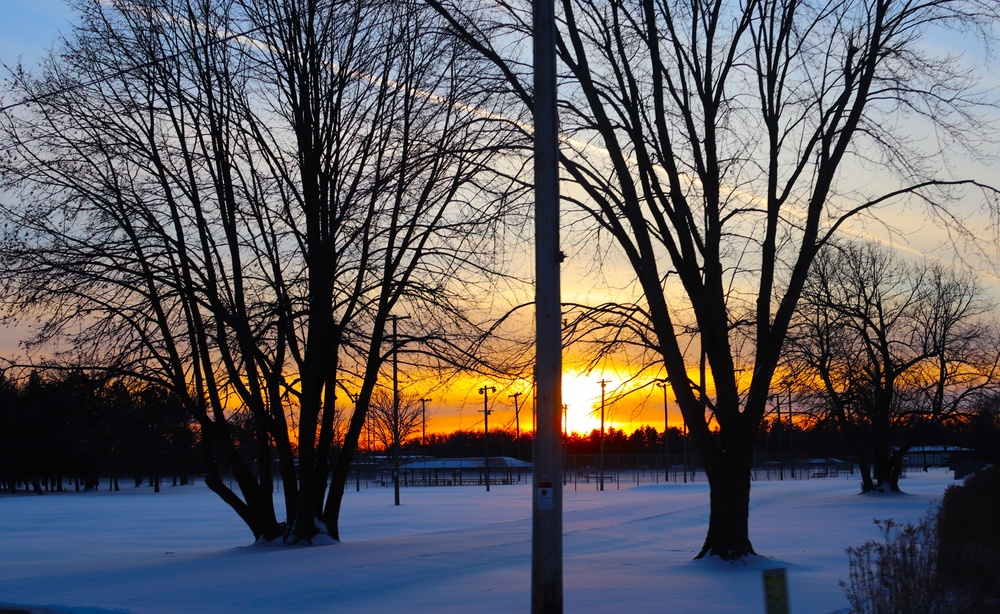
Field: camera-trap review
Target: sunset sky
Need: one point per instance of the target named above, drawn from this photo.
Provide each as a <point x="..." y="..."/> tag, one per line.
<point x="28" y="27"/>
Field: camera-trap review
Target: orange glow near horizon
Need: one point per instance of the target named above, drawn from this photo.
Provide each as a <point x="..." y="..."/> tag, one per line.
<point x="629" y="403"/>
<point x="461" y="407"/>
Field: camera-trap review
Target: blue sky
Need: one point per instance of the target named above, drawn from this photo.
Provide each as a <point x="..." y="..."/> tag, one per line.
<point x="29" y="27"/>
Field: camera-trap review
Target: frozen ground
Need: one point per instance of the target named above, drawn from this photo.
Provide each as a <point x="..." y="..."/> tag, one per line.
<point x="457" y="549"/>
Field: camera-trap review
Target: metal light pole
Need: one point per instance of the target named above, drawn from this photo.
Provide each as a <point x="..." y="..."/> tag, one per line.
<point x="546" y="518"/>
<point x="485" y="391"/>
<point x="781" y="454"/>
<point x="423" y="417"/>
<point x="791" y="426"/>
<point x="395" y="406"/>
<point x="685" y="447"/>
<point x="517" y="423"/>
<point x="600" y="468"/>
<point x="666" y="428"/>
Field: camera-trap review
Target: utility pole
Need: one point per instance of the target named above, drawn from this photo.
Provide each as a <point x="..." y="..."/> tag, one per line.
<point x="395" y="406"/>
<point x="600" y="468"/>
<point x="517" y="423"/>
<point x="423" y="416"/>
<point x="546" y="517"/>
<point x="791" y="425"/>
<point x="485" y="391"/>
<point x="666" y="427"/>
<point x="685" y="447"/>
<point x="781" y="433"/>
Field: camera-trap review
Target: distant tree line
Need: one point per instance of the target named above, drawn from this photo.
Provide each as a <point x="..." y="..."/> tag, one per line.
<point x="506" y="442"/>
<point x="811" y="434"/>
<point x="68" y="431"/>
<point x="71" y="430"/>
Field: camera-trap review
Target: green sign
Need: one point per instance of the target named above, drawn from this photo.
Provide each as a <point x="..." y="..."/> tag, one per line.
<point x="776" y="591"/>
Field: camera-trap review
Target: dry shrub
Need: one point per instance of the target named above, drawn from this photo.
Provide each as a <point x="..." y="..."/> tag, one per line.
<point x="946" y="563"/>
<point x="898" y="574"/>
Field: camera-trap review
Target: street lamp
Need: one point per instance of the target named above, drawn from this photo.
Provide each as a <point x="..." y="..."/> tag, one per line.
<point x="778" y="423"/>
<point x="517" y="423"/>
<point x="395" y="406"/>
<point x="600" y="476"/>
<point x="791" y="425"/>
<point x="485" y="391"/>
<point x="423" y="416"/>
<point x="685" y="425"/>
<point x="666" y="427"/>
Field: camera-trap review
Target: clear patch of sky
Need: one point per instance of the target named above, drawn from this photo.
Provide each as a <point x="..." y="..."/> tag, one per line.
<point x="28" y="28"/>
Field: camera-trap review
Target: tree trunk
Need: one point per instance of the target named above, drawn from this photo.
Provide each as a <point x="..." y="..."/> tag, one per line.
<point x="728" y="522"/>
<point x="864" y="467"/>
<point x="885" y="477"/>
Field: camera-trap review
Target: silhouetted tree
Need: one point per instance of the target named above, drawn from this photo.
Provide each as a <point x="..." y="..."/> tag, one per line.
<point x="893" y="348"/>
<point x="714" y="141"/>
<point x="231" y="198"/>
<point x="388" y="426"/>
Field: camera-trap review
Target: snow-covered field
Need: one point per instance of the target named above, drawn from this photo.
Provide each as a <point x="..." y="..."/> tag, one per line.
<point x="448" y="549"/>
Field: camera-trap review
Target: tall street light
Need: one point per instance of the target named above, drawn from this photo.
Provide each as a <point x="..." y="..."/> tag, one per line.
<point x="685" y="425"/>
<point x="423" y="417"/>
<point x="517" y="423"/>
<point x="775" y="426"/>
<point x="485" y="391"/>
<point x="666" y="426"/>
<point x="600" y="475"/>
<point x="395" y="406"/>
<point x="791" y="425"/>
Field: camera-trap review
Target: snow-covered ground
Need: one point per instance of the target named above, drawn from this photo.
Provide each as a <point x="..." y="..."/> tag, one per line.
<point x="447" y="549"/>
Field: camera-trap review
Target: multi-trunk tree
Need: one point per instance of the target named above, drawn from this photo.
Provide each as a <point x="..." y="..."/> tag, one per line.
<point x="233" y="197"/>
<point x="718" y="144"/>
<point x="889" y="349"/>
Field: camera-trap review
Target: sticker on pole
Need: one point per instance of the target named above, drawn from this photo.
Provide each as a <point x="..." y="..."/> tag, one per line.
<point x="543" y="496"/>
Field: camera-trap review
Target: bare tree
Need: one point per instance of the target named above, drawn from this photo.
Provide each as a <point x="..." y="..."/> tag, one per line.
<point x="231" y="197"/>
<point x="893" y="348"/>
<point x="389" y="427"/>
<point x="714" y="142"/>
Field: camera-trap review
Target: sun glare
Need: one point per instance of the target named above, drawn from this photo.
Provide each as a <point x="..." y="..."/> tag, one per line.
<point x="581" y="394"/>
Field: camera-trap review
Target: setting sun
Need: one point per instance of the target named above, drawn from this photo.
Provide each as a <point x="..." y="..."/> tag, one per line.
<point x="581" y="395"/>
